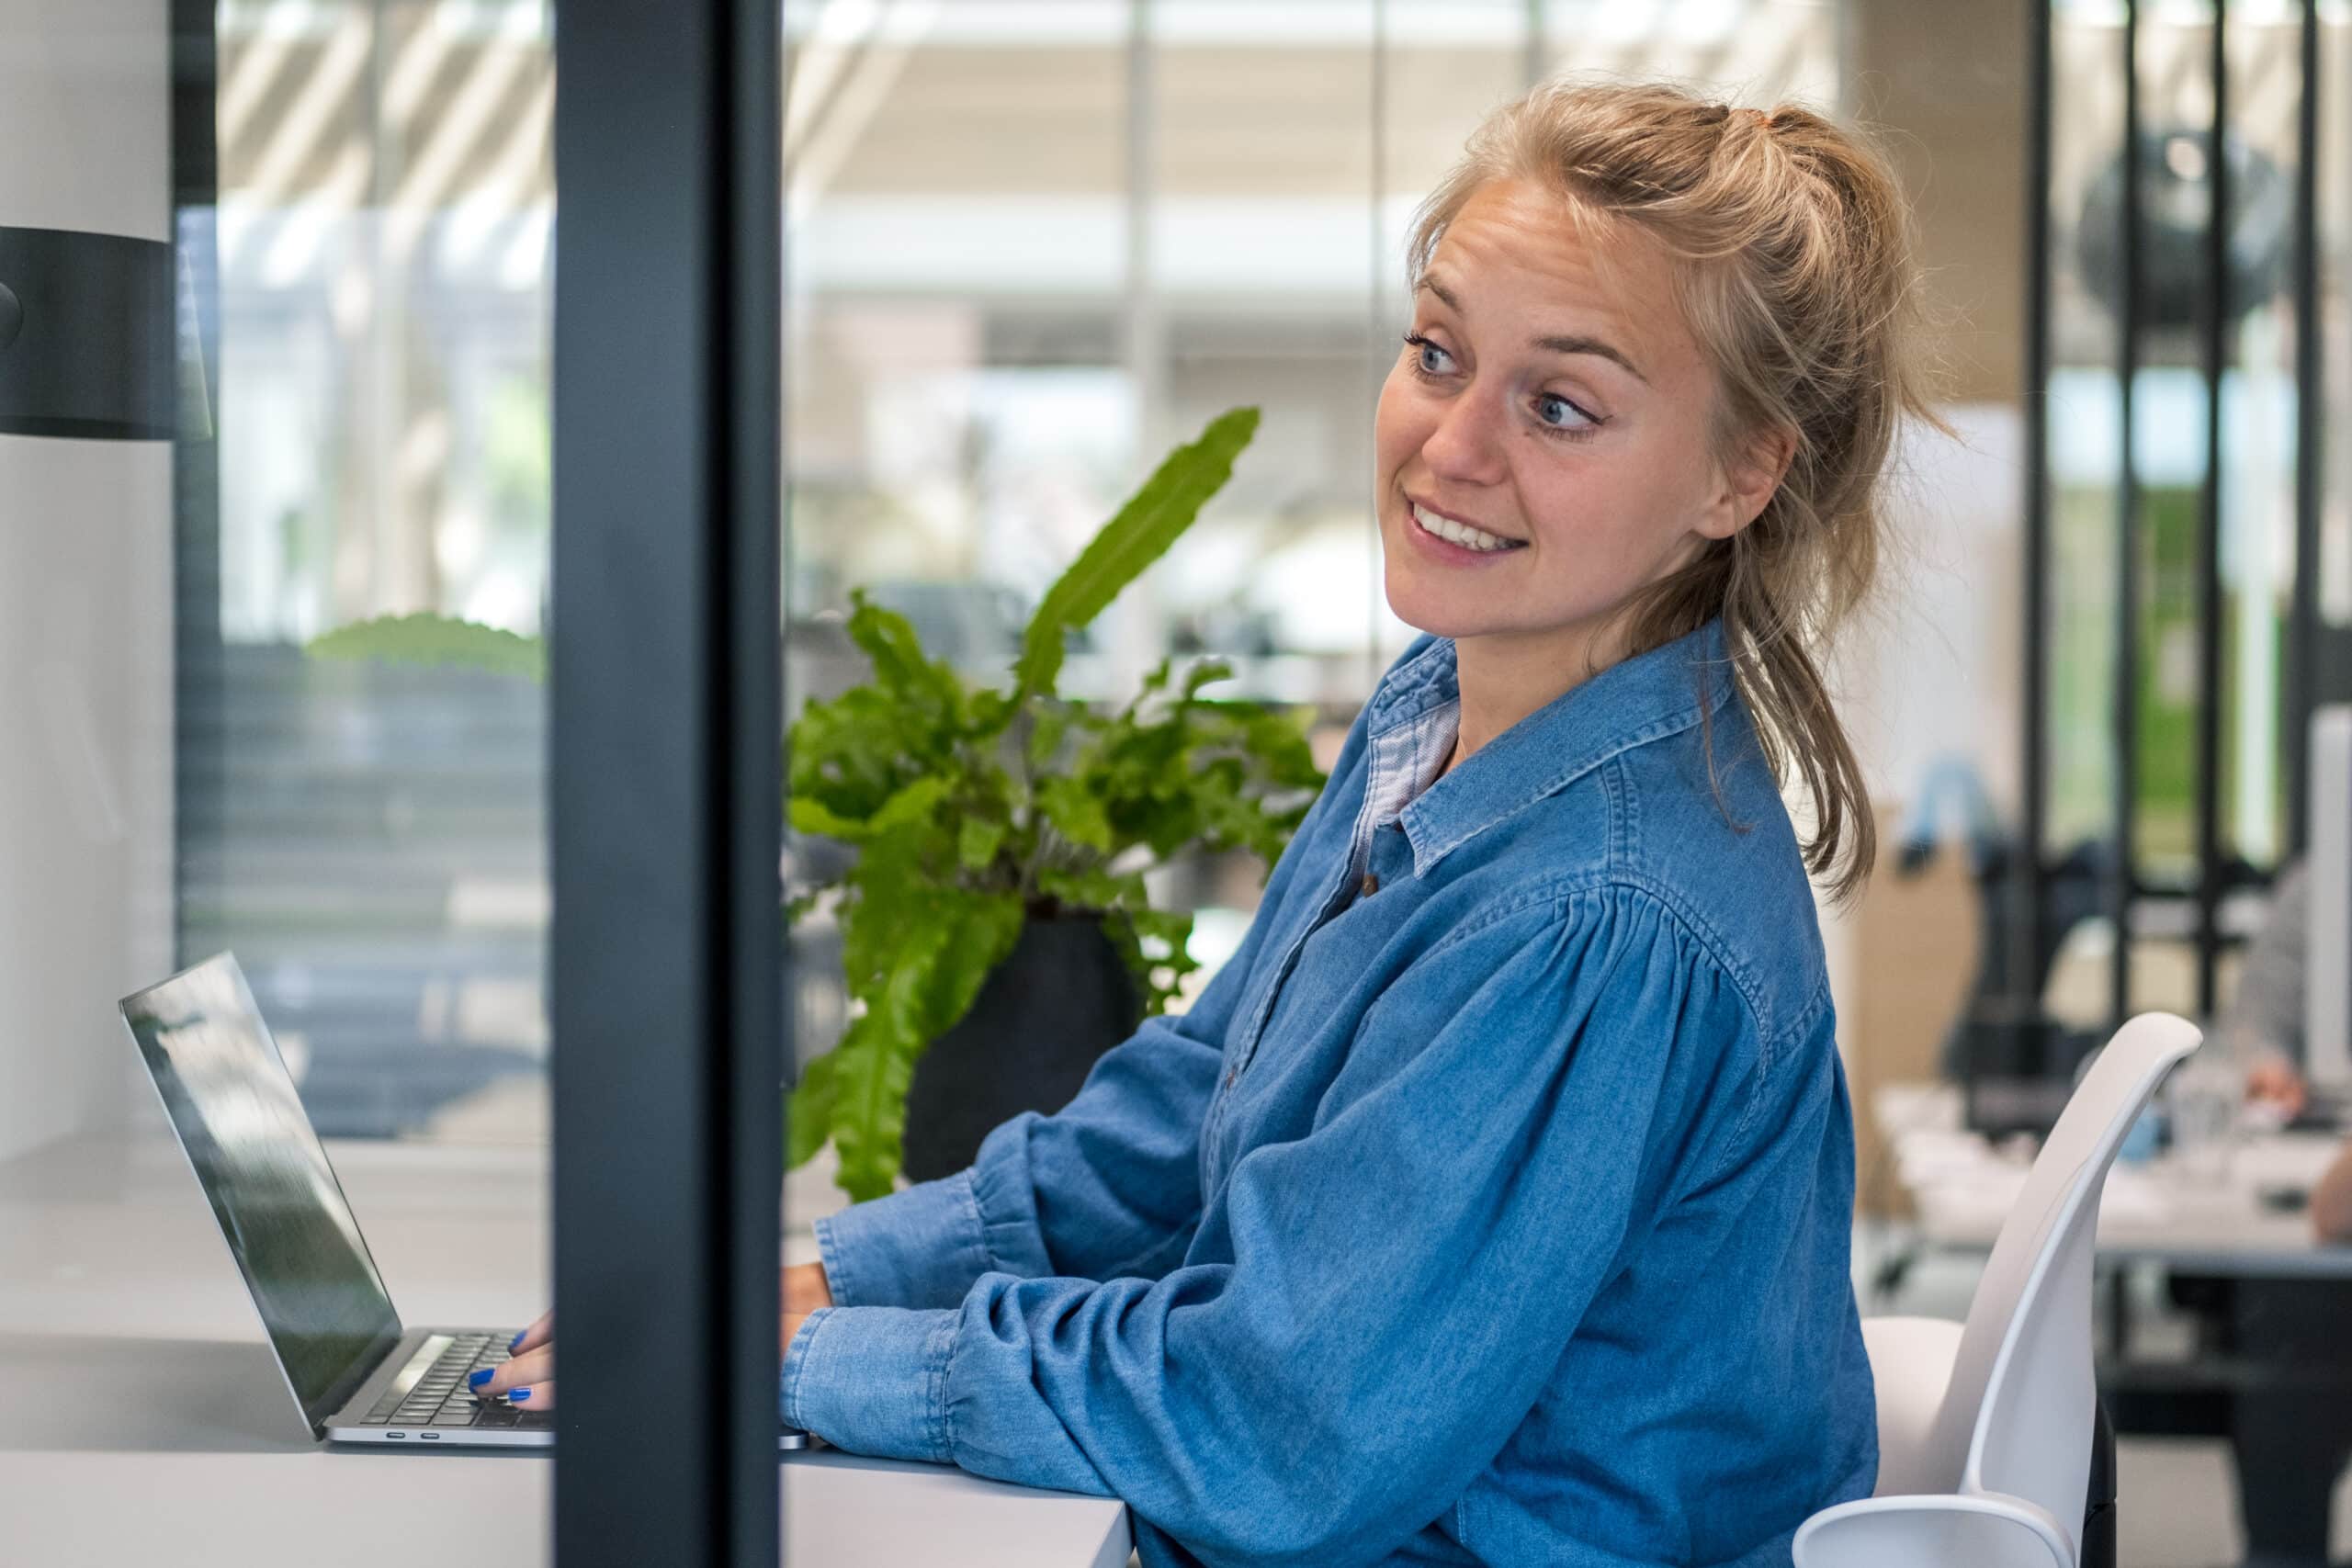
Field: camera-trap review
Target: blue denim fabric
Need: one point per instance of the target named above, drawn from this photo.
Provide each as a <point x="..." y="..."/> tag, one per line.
<point x="1498" y="1215"/>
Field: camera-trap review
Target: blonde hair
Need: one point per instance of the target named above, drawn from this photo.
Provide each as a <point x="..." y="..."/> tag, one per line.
<point x="1789" y="252"/>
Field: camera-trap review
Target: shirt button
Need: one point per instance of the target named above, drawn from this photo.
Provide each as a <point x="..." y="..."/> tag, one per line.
<point x="1371" y="883"/>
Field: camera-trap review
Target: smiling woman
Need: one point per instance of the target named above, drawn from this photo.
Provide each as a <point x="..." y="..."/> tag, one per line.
<point x="1666" y="345"/>
<point x="1491" y="1204"/>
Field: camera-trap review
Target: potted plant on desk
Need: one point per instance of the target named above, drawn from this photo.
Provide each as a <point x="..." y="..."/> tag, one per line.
<point x="997" y="935"/>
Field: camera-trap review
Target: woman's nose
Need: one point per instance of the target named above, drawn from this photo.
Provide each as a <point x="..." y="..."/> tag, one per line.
<point x="1466" y="445"/>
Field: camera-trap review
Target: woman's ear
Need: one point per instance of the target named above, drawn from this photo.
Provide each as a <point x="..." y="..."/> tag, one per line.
<point x="1749" y="485"/>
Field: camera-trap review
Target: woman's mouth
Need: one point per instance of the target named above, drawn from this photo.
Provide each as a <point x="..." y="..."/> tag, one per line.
<point x="1459" y="536"/>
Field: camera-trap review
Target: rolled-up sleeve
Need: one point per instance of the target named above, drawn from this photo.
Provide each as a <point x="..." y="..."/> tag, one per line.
<point x="1404" y="1276"/>
<point x="1108" y="1185"/>
<point x="1104" y="1186"/>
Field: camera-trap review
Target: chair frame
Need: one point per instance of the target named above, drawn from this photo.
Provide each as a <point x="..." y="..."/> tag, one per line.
<point x="1992" y="1444"/>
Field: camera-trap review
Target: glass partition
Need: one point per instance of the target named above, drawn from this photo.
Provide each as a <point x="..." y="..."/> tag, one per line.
<point x="369" y="836"/>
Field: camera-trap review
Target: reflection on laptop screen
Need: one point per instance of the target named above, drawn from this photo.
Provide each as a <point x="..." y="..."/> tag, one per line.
<point x="229" y="1096"/>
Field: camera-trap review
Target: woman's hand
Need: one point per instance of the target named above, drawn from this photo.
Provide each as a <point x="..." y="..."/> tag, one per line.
<point x="526" y="1379"/>
<point x="2332" y="1200"/>
<point x="2273" y="1080"/>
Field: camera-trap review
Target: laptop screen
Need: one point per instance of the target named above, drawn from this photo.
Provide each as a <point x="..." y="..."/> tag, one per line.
<point x="230" y="1097"/>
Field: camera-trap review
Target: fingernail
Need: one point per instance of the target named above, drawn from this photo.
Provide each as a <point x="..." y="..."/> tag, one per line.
<point x="482" y="1377"/>
<point x="519" y="1395"/>
<point x="517" y="1342"/>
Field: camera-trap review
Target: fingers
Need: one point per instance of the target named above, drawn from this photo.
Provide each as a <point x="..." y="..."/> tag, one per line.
<point x="537" y="1396"/>
<point x="529" y="1369"/>
<point x="539" y="1333"/>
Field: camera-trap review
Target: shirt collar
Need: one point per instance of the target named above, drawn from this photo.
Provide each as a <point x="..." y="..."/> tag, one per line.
<point x="1633" y="702"/>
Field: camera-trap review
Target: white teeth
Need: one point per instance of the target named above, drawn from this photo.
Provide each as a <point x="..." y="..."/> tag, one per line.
<point x="1460" y="533"/>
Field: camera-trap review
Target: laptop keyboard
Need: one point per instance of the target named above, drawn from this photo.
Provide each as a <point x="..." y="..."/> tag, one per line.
<point x="439" y="1398"/>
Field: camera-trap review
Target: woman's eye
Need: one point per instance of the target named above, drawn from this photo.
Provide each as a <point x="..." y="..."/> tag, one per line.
<point x="1423" y="352"/>
<point x="1555" y="410"/>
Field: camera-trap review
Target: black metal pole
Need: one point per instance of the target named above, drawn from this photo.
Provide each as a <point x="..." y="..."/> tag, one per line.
<point x="199" y="748"/>
<point x="2215" y="337"/>
<point x="2027" y="926"/>
<point x="2123" y="875"/>
<point x="664" y="783"/>
<point x="2311" y="408"/>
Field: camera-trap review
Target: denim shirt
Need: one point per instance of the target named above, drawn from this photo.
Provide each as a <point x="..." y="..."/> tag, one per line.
<point x="1499" y="1213"/>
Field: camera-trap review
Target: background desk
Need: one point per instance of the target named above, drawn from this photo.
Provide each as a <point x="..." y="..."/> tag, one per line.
<point x="143" y="1422"/>
<point x="1962" y="1192"/>
<point x="2269" y="1369"/>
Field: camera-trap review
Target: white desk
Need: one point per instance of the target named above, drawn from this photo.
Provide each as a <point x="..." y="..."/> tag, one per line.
<point x="143" y="1421"/>
<point x="1964" y="1190"/>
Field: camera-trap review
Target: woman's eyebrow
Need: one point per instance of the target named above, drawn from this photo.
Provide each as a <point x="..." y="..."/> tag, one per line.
<point x="1573" y="344"/>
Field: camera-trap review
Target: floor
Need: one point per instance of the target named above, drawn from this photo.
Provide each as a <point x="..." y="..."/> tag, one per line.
<point x="2177" y="1507"/>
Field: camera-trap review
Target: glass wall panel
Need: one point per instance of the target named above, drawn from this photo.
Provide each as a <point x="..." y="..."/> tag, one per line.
<point x="298" y="257"/>
<point x="1035" y="246"/>
<point x="2334" y="565"/>
<point x="2258" y="429"/>
<point x="2255" y="563"/>
<point x="376" y="853"/>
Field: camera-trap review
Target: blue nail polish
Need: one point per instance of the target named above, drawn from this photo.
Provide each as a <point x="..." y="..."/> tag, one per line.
<point x="476" y="1379"/>
<point x="519" y="1395"/>
<point x="517" y="1340"/>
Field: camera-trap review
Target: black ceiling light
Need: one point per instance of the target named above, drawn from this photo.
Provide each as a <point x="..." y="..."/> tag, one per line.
<point x="2176" y="195"/>
<point x="87" y="346"/>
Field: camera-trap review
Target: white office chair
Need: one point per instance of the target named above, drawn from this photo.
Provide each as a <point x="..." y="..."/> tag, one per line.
<point x="1985" y="1428"/>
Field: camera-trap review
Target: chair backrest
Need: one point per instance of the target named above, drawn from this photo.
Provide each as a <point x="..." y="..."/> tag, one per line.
<point x="2017" y="1415"/>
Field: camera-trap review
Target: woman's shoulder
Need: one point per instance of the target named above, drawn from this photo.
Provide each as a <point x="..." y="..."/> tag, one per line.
<point x="1701" y="827"/>
<point x="1707" y="859"/>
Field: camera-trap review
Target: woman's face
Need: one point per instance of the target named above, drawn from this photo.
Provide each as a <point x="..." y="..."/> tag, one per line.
<point x="1559" y="412"/>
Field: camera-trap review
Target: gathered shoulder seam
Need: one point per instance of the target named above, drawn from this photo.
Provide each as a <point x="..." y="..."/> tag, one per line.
<point x="1559" y="892"/>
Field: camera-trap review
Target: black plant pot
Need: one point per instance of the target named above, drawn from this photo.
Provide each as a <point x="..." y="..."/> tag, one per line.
<point x="1059" y="1000"/>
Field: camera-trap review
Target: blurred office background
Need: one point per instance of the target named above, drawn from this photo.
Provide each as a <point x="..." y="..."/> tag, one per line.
<point x="1031" y="244"/>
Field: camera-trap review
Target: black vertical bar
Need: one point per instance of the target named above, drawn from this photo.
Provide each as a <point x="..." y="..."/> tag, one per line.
<point x="2215" y="324"/>
<point x="748" y="770"/>
<point x="2311" y="408"/>
<point x="198" y="675"/>
<point x="2025" y="967"/>
<point x="2123" y="874"/>
<point x="665" y="731"/>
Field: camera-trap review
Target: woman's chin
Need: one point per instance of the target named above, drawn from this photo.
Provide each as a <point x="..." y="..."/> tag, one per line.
<point x="1438" y="613"/>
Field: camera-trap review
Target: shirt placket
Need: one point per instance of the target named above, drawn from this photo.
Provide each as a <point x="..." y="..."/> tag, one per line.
<point x="1392" y="752"/>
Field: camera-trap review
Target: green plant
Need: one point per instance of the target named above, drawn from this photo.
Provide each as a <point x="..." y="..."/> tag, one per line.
<point x="974" y="807"/>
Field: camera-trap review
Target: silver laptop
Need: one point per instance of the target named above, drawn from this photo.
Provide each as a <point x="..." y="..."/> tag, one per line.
<point x="359" y="1375"/>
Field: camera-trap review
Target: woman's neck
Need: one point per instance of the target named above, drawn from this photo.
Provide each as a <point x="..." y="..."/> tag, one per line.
<point x="1505" y="676"/>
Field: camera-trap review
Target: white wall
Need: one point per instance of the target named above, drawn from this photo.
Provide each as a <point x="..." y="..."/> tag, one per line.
<point x="1931" y="668"/>
<point x="85" y="602"/>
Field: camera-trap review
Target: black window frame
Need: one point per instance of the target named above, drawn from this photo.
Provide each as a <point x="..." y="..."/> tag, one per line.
<point x="665" y="782"/>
